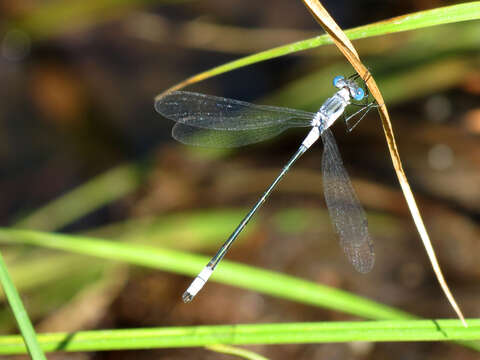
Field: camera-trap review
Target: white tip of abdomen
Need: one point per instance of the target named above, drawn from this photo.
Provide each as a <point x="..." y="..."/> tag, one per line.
<point x="197" y="284"/>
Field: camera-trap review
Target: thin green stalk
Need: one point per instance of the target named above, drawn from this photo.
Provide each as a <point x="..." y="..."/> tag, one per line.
<point x="290" y="333"/>
<point x="28" y="333"/>
<point x="439" y="16"/>
<point x="231" y="350"/>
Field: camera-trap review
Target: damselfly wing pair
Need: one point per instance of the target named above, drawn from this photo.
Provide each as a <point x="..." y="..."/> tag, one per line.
<point x="213" y="121"/>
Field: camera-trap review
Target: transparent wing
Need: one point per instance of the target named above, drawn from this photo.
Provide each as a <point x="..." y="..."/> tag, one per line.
<point x="218" y="113"/>
<point x="192" y="135"/>
<point x="345" y="210"/>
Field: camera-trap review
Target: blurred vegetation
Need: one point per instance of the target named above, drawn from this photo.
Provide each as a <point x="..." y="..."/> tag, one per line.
<point x="83" y="152"/>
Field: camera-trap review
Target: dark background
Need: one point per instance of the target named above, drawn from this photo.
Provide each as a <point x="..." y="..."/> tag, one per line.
<point x="78" y="80"/>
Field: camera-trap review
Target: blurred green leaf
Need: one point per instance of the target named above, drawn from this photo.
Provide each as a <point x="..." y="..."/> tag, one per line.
<point x="54" y="18"/>
<point x="48" y="269"/>
<point x="49" y="294"/>
<point x="267" y="282"/>
<point x="90" y="196"/>
<point x="185" y="230"/>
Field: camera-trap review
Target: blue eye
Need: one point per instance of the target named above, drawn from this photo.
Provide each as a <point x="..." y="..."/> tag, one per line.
<point x="359" y="94"/>
<point x="337" y="79"/>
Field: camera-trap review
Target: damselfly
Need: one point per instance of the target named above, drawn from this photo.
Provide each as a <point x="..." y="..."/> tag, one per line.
<point x="219" y="122"/>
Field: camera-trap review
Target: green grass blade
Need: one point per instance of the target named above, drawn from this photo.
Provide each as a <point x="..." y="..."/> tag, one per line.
<point x="21" y="316"/>
<point x="422" y="19"/>
<point x="92" y="195"/>
<point x="439" y="16"/>
<point x="267" y="282"/>
<point x="289" y="333"/>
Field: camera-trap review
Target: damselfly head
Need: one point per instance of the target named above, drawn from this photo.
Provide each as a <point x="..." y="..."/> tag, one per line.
<point x="356" y="91"/>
